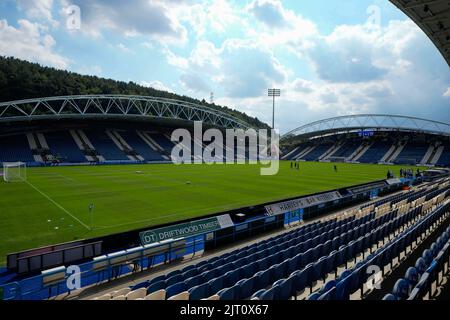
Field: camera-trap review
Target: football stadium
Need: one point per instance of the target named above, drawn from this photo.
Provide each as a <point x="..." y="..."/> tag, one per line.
<point x="139" y="194"/>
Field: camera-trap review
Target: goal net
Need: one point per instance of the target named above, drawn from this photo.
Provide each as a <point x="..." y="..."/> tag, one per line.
<point x="14" y="171"/>
<point x="337" y="159"/>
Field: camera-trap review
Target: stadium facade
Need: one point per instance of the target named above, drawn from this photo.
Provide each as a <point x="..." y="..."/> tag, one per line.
<point x="383" y="139"/>
<point x="130" y="129"/>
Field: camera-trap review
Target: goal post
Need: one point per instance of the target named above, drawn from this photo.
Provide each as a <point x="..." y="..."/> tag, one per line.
<point x="337" y="159"/>
<point x="14" y="171"/>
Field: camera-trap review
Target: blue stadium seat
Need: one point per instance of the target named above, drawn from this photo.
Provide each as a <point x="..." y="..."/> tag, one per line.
<point x="318" y="273"/>
<point x="144" y="284"/>
<point x="258" y="293"/>
<point x="427" y="257"/>
<point x="199" y="292"/>
<point x="314" y="296"/>
<point x="156" y="286"/>
<point x="330" y="264"/>
<point x="227" y="294"/>
<point x="209" y="275"/>
<point x="157" y="279"/>
<point x="175" y="279"/>
<point x="284" y="291"/>
<point x="389" y="296"/>
<point x="401" y="289"/>
<point x="172" y="274"/>
<point x="328" y="285"/>
<point x="194" y="281"/>
<point x="246" y="288"/>
<point x="421" y="266"/>
<point x="217" y="284"/>
<point x="342" y="290"/>
<point x="328" y="295"/>
<point x="176" y="289"/>
<point x="268" y="294"/>
<point x="189" y="273"/>
<point x="412" y="276"/>
<point x="232" y="277"/>
<point x="299" y="279"/>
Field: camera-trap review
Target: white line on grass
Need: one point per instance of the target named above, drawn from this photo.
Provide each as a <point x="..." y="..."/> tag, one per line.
<point x="58" y="205"/>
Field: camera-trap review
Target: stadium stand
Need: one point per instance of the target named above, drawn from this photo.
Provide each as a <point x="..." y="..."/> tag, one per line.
<point x="162" y="141"/>
<point x="319" y="151"/>
<point x="375" y="152"/>
<point x="15" y="148"/>
<point x="141" y="147"/>
<point x="327" y="257"/>
<point x="444" y="159"/>
<point x="105" y="146"/>
<point x="63" y="147"/>
<point x="412" y="153"/>
<point x="347" y="149"/>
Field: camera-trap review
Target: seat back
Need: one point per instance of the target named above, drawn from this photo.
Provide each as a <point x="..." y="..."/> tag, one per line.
<point x="176" y="289"/>
<point x="157" y="295"/>
<point x="136" y="294"/>
<point x="401" y="289"/>
<point x="183" y="296"/>
<point x="199" y="292"/>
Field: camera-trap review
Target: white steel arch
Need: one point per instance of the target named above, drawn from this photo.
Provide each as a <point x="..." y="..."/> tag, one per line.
<point x="370" y="121"/>
<point x="114" y="106"/>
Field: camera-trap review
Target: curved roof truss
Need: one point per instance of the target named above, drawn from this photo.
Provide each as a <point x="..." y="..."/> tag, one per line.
<point x="114" y="106"/>
<point x="370" y="121"/>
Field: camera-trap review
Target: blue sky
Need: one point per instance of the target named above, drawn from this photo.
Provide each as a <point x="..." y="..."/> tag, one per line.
<point x="329" y="57"/>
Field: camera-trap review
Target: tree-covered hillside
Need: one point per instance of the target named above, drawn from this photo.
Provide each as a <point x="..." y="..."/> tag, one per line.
<point x="23" y="80"/>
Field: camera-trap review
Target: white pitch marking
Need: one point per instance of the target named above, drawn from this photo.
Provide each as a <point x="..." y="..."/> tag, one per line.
<point x="58" y="205"/>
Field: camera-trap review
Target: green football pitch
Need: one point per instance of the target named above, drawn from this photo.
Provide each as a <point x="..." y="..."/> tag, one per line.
<point x="52" y="206"/>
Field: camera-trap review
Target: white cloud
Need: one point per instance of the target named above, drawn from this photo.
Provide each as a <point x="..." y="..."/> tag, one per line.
<point x="123" y="48"/>
<point x="206" y="17"/>
<point x="238" y="67"/>
<point x="392" y="70"/>
<point x="158" y="85"/>
<point x="195" y="83"/>
<point x="280" y="27"/>
<point x="175" y="60"/>
<point x="37" y="9"/>
<point x="153" y="18"/>
<point x="269" y="12"/>
<point x="447" y="93"/>
<point x="29" y="43"/>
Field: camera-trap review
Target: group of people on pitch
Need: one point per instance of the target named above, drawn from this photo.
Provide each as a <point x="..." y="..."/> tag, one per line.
<point x="296" y="165"/>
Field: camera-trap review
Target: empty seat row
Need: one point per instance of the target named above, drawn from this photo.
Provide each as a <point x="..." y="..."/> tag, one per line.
<point x="211" y="281"/>
<point x="319" y="270"/>
<point x="427" y="269"/>
<point x="359" y="275"/>
<point x="314" y="269"/>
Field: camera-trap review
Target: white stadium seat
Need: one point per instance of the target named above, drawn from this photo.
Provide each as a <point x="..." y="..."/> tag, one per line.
<point x="214" y="297"/>
<point x="121" y="292"/>
<point x="184" y="296"/>
<point x="158" y="295"/>
<point x="136" y="294"/>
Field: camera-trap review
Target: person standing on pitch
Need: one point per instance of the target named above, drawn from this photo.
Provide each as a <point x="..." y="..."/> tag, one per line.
<point x="335" y="168"/>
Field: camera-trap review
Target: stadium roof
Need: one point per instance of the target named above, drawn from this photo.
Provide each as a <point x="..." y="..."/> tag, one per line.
<point x="377" y="122"/>
<point x="433" y="17"/>
<point x="114" y="107"/>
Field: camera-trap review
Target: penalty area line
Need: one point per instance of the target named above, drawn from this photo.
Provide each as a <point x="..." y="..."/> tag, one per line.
<point x="58" y="205"/>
